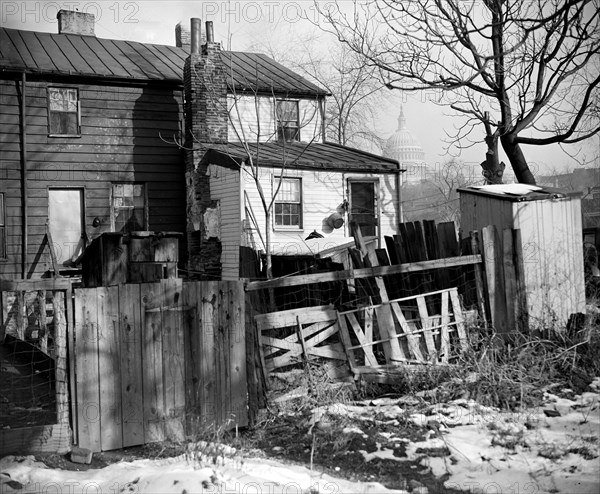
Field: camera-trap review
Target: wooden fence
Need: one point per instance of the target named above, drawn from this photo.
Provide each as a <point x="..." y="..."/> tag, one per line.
<point x="156" y="361"/>
<point x="412" y="335"/>
<point x="36" y="322"/>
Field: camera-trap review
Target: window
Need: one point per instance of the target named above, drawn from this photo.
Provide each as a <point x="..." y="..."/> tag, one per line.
<point x="63" y="111"/>
<point x="2" y="228"/>
<point x="128" y="208"/>
<point x="288" y="121"/>
<point x="288" y="203"/>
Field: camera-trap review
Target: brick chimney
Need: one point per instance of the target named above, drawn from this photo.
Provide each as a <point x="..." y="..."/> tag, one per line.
<point x="70" y="22"/>
<point x="183" y="36"/>
<point x="206" y="119"/>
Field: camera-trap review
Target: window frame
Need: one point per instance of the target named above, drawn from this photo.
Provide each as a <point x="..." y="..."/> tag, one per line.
<point x="113" y="216"/>
<point x="280" y="124"/>
<point x="50" y="112"/>
<point x="3" y="235"/>
<point x="300" y="225"/>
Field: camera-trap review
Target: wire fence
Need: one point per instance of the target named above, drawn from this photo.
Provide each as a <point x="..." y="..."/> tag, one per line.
<point x="28" y="354"/>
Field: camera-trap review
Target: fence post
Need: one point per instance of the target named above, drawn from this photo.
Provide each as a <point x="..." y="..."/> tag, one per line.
<point x="494" y="273"/>
<point x="479" y="286"/>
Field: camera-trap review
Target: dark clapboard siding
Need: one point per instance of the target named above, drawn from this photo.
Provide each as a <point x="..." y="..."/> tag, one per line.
<point x="120" y="141"/>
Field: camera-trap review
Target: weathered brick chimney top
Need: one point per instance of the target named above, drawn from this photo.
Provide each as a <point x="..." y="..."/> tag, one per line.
<point x="70" y="22"/>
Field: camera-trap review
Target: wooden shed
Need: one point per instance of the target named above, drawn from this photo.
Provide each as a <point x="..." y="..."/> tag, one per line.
<point x="549" y="245"/>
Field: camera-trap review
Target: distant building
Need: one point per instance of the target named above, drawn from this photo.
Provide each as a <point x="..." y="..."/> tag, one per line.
<point x="404" y="147"/>
<point x="586" y="181"/>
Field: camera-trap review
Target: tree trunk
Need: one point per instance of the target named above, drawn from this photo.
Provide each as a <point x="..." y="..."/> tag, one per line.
<point x="517" y="159"/>
<point x="493" y="169"/>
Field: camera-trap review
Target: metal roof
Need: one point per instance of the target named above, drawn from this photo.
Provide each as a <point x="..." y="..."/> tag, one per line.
<point x="518" y="192"/>
<point x="298" y="155"/>
<point x="88" y="56"/>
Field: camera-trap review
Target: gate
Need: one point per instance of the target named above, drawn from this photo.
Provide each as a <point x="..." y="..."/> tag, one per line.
<point x="155" y="360"/>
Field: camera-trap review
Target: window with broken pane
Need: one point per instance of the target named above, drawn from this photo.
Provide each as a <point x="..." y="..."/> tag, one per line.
<point x="63" y="111"/>
<point x="128" y="208"/>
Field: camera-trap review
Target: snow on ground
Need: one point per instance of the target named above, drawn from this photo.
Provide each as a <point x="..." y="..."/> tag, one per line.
<point x="179" y="475"/>
<point x="552" y="449"/>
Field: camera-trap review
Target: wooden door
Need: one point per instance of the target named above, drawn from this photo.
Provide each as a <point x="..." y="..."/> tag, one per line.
<point x="65" y="222"/>
<point x="363" y="206"/>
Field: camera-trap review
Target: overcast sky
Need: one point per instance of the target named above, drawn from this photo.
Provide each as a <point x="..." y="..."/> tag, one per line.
<point x="240" y="24"/>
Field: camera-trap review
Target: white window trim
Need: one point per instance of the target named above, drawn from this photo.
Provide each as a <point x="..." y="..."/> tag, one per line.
<point x="287" y="228"/>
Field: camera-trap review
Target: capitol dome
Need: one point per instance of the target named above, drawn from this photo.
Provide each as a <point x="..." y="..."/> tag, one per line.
<point x="403" y="146"/>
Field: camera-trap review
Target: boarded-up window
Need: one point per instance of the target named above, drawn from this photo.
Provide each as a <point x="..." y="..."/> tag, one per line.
<point x="63" y="111"/>
<point x="128" y="208"/>
<point x="363" y="206"/>
<point x="288" y="203"/>
<point x="2" y="228"/>
<point x="288" y="120"/>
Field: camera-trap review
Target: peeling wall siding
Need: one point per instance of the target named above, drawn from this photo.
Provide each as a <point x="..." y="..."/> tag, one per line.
<point x="243" y="117"/>
<point x="212" y="222"/>
<point x="194" y="212"/>
<point x="225" y="188"/>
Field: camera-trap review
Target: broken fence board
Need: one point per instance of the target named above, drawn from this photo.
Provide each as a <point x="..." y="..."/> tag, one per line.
<point x="429" y="341"/>
<point x="369" y="355"/>
<point x="445" y="321"/>
<point x="412" y="339"/>
<point x="287" y="318"/>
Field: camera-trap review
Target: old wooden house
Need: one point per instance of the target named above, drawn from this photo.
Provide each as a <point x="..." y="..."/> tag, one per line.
<point x="82" y="152"/>
<point x="260" y="173"/>
<point x="91" y="143"/>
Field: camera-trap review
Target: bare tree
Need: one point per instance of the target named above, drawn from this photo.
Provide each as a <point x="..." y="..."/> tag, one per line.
<point x="246" y="149"/>
<point x="437" y="197"/>
<point x="528" y="72"/>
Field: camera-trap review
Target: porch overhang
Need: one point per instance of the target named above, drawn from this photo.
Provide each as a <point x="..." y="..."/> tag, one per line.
<point x="298" y="155"/>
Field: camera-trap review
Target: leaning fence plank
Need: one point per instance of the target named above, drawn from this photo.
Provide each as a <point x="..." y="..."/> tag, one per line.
<point x="109" y="360"/>
<point x="346" y="341"/>
<point x="86" y="363"/>
<point x="173" y="358"/>
<point x="444" y="340"/>
<point x="191" y="324"/>
<point x="510" y="278"/>
<point x="429" y="341"/>
<point x="412" y="339"/>
<point x="369" y="355"/>
<point x="479" y="286"/>
<point x="459" y="318"/>
<point x="132" y="373"/>
<point x="153" y="386"/>
<point x="493" y="271"/>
